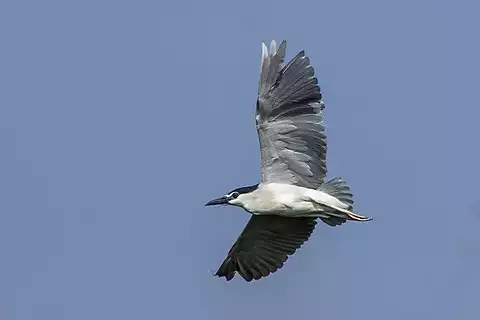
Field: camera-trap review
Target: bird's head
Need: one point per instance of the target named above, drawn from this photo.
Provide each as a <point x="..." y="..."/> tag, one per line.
<point x="236" y="197"/>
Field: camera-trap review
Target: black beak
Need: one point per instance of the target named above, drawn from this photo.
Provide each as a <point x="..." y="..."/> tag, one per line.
<point x="222" y="200"/>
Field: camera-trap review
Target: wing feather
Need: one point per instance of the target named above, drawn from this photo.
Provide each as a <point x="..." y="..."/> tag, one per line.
<point x="290" y="120"/>
<point x="264" y="246"/>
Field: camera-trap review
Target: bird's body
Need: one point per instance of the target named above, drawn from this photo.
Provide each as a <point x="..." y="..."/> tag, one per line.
<point x="284" y="200"/>
<point x="292" y="193"/>
<point x="292" y="201"/>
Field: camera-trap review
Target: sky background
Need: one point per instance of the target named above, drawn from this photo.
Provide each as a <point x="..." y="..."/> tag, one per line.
<point x="120" y="119"/>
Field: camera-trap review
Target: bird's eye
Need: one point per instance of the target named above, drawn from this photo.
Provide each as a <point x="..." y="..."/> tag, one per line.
<point x="235" y="195"/>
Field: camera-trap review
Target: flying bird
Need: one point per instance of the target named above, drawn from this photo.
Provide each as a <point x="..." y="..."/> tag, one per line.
<point x="292" y="194"/>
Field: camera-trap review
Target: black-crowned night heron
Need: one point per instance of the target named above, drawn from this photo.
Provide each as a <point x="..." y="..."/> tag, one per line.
<point x="292" y="193"/>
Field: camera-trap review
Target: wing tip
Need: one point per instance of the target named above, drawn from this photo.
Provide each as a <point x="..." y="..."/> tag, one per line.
<point x="264" y="55"/>
<point x="272" y="57"/>
<point x="264" y="50"/>
<point x="273" y="49"/>
<point x="227" y="269"/>
<point x="227" y="276"/>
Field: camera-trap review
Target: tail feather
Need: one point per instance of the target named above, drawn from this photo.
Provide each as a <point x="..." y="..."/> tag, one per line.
<point x="338" y="188"/>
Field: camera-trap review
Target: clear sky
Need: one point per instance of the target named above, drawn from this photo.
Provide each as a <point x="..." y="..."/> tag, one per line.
<point x="120" y="119"/>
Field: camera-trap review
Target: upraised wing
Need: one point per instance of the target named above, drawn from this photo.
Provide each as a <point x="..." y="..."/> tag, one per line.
<point x="289" y="120"/>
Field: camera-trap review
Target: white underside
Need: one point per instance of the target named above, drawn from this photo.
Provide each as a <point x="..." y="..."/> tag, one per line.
<point x="289" y="200"/>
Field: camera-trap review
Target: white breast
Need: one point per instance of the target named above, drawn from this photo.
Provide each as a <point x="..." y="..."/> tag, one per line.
<point x="288" y="200"/>
<point x="280" y="199"/>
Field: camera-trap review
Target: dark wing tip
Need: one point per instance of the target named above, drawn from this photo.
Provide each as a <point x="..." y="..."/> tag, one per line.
<point x="227" y="269"/>
<point x="228" y="276"/>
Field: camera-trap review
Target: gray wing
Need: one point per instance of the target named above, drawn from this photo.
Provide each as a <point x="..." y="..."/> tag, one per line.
<point x="264" y="246"/>
<point x="289" y="120"/>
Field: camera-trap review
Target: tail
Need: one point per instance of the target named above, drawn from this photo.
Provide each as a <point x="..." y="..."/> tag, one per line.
<point x="338" y="188"/>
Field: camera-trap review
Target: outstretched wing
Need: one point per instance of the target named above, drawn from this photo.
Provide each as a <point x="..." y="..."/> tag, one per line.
<point x="289" y="120"/>
<point x="264" y="246"/>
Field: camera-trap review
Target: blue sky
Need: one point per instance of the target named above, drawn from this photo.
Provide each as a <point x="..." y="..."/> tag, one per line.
<point x="120" y="119"/>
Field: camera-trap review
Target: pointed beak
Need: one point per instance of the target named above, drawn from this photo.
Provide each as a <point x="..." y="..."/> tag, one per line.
<point x="222" y="200"/>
